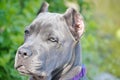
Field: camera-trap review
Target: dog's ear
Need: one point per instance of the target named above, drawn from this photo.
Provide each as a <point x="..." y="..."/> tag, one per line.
<point x="44" y="7"/>
<point x="75" y="22"/>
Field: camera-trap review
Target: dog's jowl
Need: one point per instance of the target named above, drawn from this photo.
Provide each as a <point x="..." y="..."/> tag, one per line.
<point x="51" y="50"/>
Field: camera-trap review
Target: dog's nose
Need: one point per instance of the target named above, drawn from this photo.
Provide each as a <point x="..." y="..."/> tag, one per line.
<point x="24" y="52"/>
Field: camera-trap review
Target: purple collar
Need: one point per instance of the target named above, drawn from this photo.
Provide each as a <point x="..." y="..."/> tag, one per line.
<point x="81" y="74"/>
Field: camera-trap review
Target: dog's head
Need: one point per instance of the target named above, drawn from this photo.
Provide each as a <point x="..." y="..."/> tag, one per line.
<point x="49" y="41"/>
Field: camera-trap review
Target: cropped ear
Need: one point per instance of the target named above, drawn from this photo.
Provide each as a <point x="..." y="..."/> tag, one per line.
<point x="75" y="22"/>
<point x="44" y="7"/>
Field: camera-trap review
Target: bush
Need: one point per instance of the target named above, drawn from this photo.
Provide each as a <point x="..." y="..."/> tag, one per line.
<point x="16" y="14"/>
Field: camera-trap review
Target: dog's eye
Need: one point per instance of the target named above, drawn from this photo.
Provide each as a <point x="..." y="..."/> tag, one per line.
<point x="27" y="32"/>
<point x="52" y="39"/>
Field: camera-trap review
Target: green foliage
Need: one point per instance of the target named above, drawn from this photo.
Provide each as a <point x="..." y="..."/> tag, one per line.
<point x="59" y="8"/>
<point x="16" y="14"/>
<point x="100" y="44"/>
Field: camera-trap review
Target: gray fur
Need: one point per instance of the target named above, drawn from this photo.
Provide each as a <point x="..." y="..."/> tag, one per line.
<point x="51" y="50"/>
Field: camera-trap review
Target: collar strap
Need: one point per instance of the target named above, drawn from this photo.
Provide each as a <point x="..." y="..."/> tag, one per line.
<point x="81" y="74"/>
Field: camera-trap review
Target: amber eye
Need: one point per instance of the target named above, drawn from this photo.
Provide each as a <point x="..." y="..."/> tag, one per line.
<point x="52" y="39"/>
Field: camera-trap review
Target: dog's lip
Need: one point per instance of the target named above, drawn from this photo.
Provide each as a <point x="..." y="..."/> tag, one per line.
<point x="19" y="66"/>
<point x="22" y="69"/>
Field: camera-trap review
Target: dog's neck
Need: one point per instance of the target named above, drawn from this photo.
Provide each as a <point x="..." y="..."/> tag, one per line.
<point x="73" y="68"/>
<point x="78" y="58"/>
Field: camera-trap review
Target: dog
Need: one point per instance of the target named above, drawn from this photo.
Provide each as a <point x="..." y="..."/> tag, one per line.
<point x="51" y="49"/>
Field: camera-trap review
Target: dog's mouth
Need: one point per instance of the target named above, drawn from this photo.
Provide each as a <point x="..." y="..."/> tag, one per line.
<point x="22" y="70"/>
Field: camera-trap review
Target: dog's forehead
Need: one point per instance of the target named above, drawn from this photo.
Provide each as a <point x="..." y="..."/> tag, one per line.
<point x="46" y="15"/>
<point x="49" y="22"/>
<point x="47" y="18"/>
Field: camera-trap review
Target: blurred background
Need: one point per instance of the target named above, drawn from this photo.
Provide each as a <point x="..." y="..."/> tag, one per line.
<point x="100" y="42"/>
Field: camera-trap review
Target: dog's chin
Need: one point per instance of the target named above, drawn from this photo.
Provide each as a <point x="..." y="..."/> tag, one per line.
<point x="37" y="74"/>
<point x="22" y="70"/>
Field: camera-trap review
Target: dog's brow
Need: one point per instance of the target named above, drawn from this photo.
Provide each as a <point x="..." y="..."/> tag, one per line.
<point x="27" y="27"/>
<point x="32" y="26"/>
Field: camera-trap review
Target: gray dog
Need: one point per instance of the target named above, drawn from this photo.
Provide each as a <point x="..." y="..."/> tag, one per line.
<point x="51" y="50"/>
